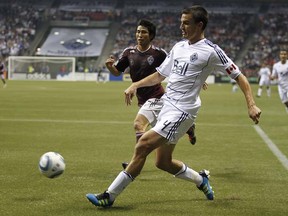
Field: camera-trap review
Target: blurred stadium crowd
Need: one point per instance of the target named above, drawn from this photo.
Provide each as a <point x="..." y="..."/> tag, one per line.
<point x="249" y="31"/>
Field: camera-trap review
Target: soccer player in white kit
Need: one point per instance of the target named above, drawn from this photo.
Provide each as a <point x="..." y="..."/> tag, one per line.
<point x="264" y="79"/>
<point x="280" y="72"/>
<point x="188" y="65"/>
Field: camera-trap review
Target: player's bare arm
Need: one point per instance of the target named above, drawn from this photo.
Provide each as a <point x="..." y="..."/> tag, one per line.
<point x="150" y="80"/>
<point x="253" y="111"/>
<point x="110" y="66"/>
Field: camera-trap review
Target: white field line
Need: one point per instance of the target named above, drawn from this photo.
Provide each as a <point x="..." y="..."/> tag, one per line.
<point x="66" y="121"/>
<point x="104" y="122"/>
<point x="280" y="156"/>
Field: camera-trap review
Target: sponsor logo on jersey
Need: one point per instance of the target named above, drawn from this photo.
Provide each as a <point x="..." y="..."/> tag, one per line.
<point x="180" y="67"/>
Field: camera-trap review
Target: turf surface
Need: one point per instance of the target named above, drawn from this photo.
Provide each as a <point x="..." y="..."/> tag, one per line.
<point x="92" y="128"/>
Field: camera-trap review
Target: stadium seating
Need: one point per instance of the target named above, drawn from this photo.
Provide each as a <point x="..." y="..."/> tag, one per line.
<point x="249" y="32"/>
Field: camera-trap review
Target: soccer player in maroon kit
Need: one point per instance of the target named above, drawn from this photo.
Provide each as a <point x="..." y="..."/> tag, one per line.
<point x="141" y="60"/>
<point x="2" y="69"/>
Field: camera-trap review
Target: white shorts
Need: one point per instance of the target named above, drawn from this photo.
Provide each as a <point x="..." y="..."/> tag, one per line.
<point x="264" y="81"/>
<point x="151" y="109"/>
<point x="283" y="93"/>
<point x="173" y="123"/>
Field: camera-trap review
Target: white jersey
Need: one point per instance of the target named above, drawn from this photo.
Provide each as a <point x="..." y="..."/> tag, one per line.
<point x="281" y="72"/>
<point x="188" y="66"/>
<point x="264" y="74"/>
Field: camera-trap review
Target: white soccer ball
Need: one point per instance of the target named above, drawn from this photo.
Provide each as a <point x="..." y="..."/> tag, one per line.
<point x="51" y="164"/>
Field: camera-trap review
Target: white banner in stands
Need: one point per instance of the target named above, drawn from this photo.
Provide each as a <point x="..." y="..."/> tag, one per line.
<point x="77" y="42"/>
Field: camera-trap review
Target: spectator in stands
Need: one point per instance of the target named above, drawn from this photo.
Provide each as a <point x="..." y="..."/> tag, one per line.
<point x="100" y="76"/>
<point x="30" y="72"/>
<point x="45" y="70"/>
<point x="280" y="72"/>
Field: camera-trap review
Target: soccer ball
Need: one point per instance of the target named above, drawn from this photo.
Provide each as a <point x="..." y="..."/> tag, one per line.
<point x="51" y="164"/>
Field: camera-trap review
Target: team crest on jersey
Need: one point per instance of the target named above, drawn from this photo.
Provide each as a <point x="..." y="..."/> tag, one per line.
<point x="150" y="60"/>
<point x="193" y="57"/>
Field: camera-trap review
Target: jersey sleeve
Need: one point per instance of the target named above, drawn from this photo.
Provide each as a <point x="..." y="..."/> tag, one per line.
<point x="224" y="64"/>
<point x="122" y="63"/>
<point x="274" y="71"/>
<point x="166" y="67"/>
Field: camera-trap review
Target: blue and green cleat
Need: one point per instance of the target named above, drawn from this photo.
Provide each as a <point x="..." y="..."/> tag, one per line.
<point x="102" y="200"/>
<point x="205" y="186"/>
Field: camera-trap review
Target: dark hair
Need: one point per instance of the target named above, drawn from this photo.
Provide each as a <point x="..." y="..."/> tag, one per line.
<point x="150" y="26"/>
<point x="199" y="14"/>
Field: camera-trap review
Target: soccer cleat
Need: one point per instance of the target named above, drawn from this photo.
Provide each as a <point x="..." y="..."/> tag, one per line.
<point x="102" y="200"/>
<point x="124" y="165"/>
<point x="191" y="134"/>
<point x="205" y="186"/>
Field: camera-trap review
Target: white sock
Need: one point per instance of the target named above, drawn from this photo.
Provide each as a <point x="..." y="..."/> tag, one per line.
<point x="190" y="175"/>
<point x="119" y="184"/>
<point x="259" y="92"/>
<point x="268" y="92"/>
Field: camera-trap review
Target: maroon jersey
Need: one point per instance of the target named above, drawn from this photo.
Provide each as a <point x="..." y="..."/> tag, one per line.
<point x="141" y="65"/>
<point x="2" y="68"/>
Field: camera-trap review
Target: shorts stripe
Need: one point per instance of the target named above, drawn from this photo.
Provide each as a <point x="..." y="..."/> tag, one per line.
<point x="176" y="125"/>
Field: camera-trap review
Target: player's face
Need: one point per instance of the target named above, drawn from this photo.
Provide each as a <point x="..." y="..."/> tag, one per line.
<point x="190" y="30"/>
<point x="142" y="36"/>
<point x="283" y="56"/>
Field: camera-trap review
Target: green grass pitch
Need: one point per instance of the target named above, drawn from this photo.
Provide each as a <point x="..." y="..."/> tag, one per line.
<point x="92" y="128"/>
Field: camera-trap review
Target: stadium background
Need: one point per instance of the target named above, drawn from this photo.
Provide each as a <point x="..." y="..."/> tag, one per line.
<point x="250" y="31"/>
<point x="89" y="124"/>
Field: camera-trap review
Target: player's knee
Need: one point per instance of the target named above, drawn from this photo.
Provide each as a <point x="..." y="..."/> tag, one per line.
<point x="138" y="126"/>
<point x="142" y="150"/>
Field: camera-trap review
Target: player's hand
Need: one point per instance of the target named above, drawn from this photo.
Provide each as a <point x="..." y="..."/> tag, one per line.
<point x="110" y="61"/>
<point x="129" y="94"/>
<point x="254" y="113"/>
<point x="205" y="86"/>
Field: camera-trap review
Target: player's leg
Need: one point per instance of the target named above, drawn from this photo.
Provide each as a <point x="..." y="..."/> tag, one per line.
<point x="147" y="114"/>
<point x="165" y="162"/>
<point x="286" y="104"/>
<point x="259" y="92"/>
<point x="191" y="134"/>
<point x="140" y="125"/>
<point x="173" y="124"/>
<point x="177" y="168"/>
<point x="3" y="80"/>
<point x="268" y="88"/>
<point x="283" y="94"/>
<point x="146" y="144"/>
